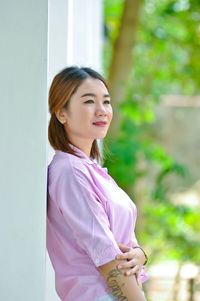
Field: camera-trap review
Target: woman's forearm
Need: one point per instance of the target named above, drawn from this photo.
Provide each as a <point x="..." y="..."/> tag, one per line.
<point x="123" y="288"/>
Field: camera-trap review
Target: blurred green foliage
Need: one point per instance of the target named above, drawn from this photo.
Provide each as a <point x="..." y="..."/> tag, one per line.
<point x="165" y="61"/>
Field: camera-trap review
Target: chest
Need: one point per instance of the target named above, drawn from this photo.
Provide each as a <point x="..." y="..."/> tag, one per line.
<point x="119" y="207"/>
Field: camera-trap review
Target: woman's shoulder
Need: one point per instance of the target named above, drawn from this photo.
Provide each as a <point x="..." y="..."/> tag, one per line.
<point x="66" y="163"/>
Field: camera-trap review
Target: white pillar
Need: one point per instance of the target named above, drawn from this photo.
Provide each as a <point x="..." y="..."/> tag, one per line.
<point x="75" y="38"/>
<point x="85" y="31"/>
<point x="23" y="80"/>
<point x="57" y="60"/>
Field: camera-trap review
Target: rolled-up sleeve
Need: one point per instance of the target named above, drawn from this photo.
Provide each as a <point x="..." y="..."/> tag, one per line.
<point x="85" y="215"/>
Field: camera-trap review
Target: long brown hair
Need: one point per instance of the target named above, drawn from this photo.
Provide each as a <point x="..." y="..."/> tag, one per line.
<point x="64" y="85"/>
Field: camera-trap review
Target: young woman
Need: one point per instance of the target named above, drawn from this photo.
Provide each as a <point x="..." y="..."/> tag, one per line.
<point x="90" y="220"/>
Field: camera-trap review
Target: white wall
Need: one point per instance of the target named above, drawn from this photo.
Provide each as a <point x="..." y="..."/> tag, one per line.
<point x="23" y="80"/>
<point x="85" y="29"/>
<point x="75" y="34"/>
<point x="58" y="12"/>
<point x="75" y="38"/>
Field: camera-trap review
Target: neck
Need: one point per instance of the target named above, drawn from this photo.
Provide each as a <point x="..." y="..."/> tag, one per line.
<point x="83" y="145"/>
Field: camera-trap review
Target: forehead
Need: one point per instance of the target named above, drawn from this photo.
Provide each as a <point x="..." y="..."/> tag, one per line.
<point x="91" y="85"/>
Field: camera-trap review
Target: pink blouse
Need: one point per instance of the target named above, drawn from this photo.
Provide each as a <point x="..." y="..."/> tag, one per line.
<point x="88" y="214"/>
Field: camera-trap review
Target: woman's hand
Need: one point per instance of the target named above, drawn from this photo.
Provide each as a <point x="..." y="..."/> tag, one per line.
<point x="135" y="260"/>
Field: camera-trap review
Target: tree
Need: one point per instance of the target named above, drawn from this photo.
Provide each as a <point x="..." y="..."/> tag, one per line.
<point x="120" y="66"/>
<point x="162" y="57"/>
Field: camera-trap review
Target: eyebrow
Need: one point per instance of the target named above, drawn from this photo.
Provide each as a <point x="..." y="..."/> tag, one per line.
<point x="94" y="95"/>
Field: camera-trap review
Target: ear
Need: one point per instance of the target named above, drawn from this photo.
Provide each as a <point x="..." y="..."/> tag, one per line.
<point x="61" y="115"/>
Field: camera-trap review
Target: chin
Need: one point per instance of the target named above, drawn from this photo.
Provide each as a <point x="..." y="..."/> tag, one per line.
<point x="98" y="137"/>
<point x="101" y="136"/>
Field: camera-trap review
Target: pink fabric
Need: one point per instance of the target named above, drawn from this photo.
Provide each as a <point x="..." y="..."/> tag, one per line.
<point x="87" y="215"/>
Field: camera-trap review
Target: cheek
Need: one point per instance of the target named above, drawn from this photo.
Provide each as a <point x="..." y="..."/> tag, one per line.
<point x="110" y="114"/>
<point x="77" y="114"/>
<point x="81" y="118"/>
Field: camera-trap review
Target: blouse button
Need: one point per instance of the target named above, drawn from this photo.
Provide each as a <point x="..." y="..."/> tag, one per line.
<point x="97" y="260"/>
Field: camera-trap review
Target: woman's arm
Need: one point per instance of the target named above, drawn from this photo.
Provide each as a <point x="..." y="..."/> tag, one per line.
<point x="123" y="288"/>
<point x="135" y="258"/>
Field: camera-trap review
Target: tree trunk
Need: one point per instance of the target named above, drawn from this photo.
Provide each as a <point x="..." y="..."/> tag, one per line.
<point x="119" y="72"/>
<point x="176" y="286"/>
<point x="121" y="63"/>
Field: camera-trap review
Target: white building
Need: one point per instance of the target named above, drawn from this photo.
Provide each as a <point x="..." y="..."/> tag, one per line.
<point x="38" y="39"/>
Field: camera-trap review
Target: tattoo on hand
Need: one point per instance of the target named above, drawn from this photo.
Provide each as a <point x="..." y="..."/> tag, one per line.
<point x="114" y="286"/>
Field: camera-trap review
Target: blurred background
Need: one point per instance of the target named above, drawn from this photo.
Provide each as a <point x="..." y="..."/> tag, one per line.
<point x="148" y="50"/>
<point x="152" y="62"/>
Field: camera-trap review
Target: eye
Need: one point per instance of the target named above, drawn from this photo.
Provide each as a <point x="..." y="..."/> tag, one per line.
<point x="107" y="101"/>
<point x="89" y="101"/>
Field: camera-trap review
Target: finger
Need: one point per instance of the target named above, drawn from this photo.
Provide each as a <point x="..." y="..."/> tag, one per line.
<point x="127" y="265"/>
<point x="127" y="255"/>
<point x="137" y="275"/>
<point x="123" y="248"/>
<point x="136" y="269"/>
<point x="132" y="271"/>
<point x="139" y="282"/>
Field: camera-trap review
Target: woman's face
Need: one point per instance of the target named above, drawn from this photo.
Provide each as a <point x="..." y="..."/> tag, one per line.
<point x="89" y="112"/>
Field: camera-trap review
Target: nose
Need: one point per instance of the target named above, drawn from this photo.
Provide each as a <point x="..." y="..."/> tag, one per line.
<point x="100" y="110"/>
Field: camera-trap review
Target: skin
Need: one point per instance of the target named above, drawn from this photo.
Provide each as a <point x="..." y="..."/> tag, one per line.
<point x="133" y="260"/>
<point x="123" y="288"/>
<point x="83" y="110"/>
<point x="91" y="103"/>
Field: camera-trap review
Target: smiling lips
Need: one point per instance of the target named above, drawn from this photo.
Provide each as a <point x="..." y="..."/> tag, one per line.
<point x="100" y="123"/>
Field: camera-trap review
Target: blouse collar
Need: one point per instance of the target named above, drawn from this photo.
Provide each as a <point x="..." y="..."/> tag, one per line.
<point x="84" y="157"/>
<point x="79" y="152"/>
